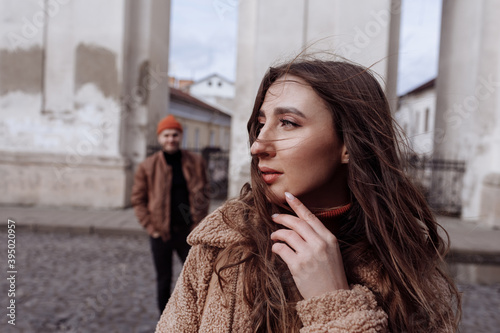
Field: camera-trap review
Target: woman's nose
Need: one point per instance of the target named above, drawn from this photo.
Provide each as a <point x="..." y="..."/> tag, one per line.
<point x="263" y="146"/>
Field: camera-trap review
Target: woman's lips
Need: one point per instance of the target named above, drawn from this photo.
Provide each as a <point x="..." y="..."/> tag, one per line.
<point x="269" y="175"/>
<point x="270" y="178"/>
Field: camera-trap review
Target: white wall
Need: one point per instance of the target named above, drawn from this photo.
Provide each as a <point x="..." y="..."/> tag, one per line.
<point x="418" y="127"/>
<point x="75" y="108"/>
<point x="213" y="86"/>
<point x="69" y="84"/>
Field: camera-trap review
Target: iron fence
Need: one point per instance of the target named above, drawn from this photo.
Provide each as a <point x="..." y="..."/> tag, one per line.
<point x="441" y="181"/>
<point x="218" y="171"/>
<point x="217" y="161"/>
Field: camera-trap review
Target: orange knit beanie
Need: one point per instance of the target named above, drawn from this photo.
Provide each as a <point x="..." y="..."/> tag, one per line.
<point x="169" y="122"/>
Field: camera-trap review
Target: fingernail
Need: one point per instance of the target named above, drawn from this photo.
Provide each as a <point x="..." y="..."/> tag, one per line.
<point x="274" y="215"/>
<point x="289" y="196"/>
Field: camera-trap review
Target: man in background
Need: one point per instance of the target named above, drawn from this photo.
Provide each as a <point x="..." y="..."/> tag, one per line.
<point x="169" y="197"/>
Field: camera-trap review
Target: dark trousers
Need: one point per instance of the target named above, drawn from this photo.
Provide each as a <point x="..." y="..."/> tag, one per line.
<point x="162" y="257"/>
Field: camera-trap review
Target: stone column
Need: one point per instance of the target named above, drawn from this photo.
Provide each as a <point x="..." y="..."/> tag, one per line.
<point x="262" y="40"/>
<point x="159" y="96"/>
<point x="467" y="110"/>
<point x="145" y="94"/>
<point x="487" y="154"/>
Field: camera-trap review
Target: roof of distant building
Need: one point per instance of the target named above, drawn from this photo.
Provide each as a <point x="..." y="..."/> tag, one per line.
<point x="179" y="83"/>
<point x="179" y="95"/>
<point x="427" y="85"/>
<point x="212" y="76"/>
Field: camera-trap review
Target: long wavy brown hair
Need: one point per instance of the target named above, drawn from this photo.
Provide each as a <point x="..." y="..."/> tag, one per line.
<point x="390" y="222"/>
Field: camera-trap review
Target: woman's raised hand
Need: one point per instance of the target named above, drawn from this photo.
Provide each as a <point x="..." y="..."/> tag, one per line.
<point x="310" y="251"/>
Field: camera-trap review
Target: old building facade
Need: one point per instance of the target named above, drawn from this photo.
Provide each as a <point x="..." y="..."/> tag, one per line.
<point x="82" y="85"/>
<point x="415" y="115"/>
<point x="204" y="126"/>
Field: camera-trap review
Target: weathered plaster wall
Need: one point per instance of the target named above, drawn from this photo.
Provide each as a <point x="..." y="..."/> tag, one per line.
<point x="21" y="70"/>
<point x="55" y="180"/>
<point x="38" y="113"/>
<point x="96" y="65"/>
<point x="64" y="67"/>
<point x="416" y="116"/>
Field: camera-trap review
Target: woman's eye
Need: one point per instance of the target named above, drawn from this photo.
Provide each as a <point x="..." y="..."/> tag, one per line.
<point x="288" y="123"/>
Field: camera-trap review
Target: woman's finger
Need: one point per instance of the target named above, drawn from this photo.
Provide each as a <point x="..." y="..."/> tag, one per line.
<point x="301" y="227"/>
<point x="305" y="214"/>
<point x="285" y="252"/>
<point x="291" y="238"/>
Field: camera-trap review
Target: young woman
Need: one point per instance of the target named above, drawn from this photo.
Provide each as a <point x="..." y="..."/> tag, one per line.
<point x="330" y="236"/>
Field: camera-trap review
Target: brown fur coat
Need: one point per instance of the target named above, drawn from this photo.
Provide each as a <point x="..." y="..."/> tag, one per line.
<point x="198" y="304"/>
<point x="190" y="310"/>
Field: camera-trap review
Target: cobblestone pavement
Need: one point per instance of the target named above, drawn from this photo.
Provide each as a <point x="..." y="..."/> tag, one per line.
<point x="96" y="283"/>
<point x="81" y="283"/>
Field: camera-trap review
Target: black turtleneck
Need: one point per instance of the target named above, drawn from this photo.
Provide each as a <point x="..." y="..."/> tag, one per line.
<point x="180" y="217"/>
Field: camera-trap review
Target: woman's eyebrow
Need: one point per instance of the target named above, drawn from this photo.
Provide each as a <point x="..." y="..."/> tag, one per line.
<point x="288" y="109"/>
<point x="283" y="110"/>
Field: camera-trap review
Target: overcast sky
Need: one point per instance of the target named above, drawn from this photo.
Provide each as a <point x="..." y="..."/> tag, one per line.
<point x="419" y="43"/>
<point x="203" y="40"/>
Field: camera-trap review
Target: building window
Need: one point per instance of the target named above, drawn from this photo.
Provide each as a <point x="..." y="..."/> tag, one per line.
<point x="227" y="140"/>
<point x="212" y="138"/>
<point x="219" y="84"/>
<point x="209" y="83"/>
<point x="197" y="139"/>
<point x="184" y="136"/>
<point x="417" y="123"/>
<point x="427" y="125"/>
